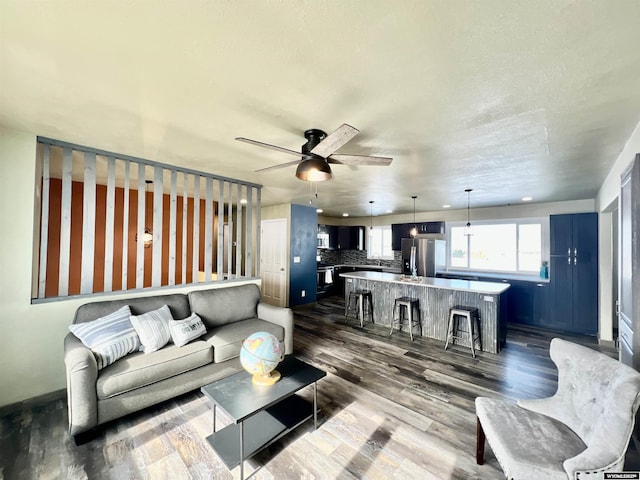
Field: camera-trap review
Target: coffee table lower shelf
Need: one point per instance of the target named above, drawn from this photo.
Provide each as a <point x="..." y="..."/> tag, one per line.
<point x="260" y="430"/>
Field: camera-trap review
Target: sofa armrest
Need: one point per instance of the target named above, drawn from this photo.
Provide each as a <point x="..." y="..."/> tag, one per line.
<point x="82" y="372"/>
<point x="280" y="316"/>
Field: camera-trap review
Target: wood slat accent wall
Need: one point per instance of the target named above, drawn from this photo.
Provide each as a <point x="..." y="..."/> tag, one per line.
<point x="92" y="216"/>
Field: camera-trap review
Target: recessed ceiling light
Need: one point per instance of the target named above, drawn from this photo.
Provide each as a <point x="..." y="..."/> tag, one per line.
<point x="446" y="206"/>
<point x="389" y="211"/>
<point x="319" y="210"/>
<point x="243" y="201"/>
<point x="527" y="199"/>
<point x="345" y="214"/>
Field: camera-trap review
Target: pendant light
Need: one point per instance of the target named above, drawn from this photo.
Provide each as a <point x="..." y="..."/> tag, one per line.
<point x="467" y="228"/>
<point x="414" y="230"/>
<point x="370" y="214"/>
<point x="147" y="236"/>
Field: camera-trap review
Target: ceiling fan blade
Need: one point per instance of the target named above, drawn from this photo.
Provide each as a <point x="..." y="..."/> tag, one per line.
<point x="359" y="160"/>
<point x="272" y="147"/>
<point x="335" y="140"/>
<point x="281" y="165"/>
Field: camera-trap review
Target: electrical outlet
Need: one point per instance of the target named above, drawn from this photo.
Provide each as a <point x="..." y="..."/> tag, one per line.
<point x="304" y="293"/>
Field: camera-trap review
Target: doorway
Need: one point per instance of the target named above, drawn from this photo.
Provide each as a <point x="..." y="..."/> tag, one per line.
<point x="273" y="261"/>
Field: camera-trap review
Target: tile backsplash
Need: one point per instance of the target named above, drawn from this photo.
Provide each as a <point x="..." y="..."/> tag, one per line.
<point x="356" y="257"/>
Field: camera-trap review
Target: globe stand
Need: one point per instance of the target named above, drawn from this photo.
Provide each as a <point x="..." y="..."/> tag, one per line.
<point x="267" y="379"/>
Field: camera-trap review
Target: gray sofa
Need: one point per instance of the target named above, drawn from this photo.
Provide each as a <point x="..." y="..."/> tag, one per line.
<point x="138" y="380"/>
<point x="580" y="432"/>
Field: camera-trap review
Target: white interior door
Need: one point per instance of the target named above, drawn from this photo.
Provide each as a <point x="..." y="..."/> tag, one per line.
<point x="273" y="261"/>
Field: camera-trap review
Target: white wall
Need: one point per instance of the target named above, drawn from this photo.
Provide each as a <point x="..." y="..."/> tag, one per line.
<point x="605" y="200"/>
<point x="490" y="213"/>
<point x="31" y="356"/>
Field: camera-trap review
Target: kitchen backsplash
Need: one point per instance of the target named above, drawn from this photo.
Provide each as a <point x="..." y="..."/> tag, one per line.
<point x="356" y="257"/>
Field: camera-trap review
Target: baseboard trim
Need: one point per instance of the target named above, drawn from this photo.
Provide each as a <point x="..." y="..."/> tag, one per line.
<point x="33" y="402"/>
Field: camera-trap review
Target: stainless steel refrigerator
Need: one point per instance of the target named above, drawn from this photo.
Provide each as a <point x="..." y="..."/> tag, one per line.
<point x="428" y="258"/>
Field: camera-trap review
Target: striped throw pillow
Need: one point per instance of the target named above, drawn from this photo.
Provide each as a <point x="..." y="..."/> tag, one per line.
<point x="153" y="328"/>
<point x="110" y="337"/>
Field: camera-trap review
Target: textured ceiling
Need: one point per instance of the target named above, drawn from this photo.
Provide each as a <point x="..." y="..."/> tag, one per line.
<point x="509" y="97"/>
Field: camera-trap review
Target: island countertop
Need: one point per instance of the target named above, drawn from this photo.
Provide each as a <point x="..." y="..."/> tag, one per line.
<point x="436" y="297"/>
<point x="487" y="288"/>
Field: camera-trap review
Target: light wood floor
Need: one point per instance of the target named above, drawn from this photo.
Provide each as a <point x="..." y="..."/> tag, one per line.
<point x="391" y="409"/>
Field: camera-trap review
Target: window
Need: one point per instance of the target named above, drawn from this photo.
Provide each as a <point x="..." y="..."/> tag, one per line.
<point x="379" y="244"/>
<point x="514" y="246"/>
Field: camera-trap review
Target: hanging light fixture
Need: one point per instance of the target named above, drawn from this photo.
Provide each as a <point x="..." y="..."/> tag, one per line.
<point x="315" y="169"/>
<point x="414" y="230"/>
<point x="317" y="202"/>
<point x="370" y="214"/>
<point x="147" y="236"/>
<point x="467" y="228"/>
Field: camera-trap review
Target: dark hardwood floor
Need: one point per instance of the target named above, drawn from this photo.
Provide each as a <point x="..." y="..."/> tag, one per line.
<point x="391" y="409"/>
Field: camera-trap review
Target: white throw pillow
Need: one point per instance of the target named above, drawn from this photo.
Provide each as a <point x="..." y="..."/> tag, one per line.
<point x="183" y="331"/>
<point x="110" y="337"/>
<point x="153" y="328"/>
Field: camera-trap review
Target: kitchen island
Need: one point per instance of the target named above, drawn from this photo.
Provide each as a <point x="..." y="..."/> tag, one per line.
<point x="436" y="296"/>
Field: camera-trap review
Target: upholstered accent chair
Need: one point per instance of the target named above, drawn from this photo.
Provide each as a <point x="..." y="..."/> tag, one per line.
<point x="578" y="433"/>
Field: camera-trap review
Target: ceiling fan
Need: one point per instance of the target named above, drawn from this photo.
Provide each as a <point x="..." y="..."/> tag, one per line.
<point x="318" y="153"/>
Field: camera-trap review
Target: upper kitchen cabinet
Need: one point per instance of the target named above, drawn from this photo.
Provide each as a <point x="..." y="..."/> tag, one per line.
<point x="351" y="238"/>
<point x="327" y="236"/>
<point x="403" y="230"/>
<point x="573" y="292"/>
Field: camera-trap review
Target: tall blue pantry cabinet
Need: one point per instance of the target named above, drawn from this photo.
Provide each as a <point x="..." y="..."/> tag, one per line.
<point x="573" y="292"/>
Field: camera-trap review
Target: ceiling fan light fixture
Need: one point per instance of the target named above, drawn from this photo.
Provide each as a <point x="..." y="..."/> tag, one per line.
<point x="314" y="170"/>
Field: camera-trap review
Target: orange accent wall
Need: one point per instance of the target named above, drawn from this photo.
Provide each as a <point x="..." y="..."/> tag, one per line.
<point x="75" y="253"/>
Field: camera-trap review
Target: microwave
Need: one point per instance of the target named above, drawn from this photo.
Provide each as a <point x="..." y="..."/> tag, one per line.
<point x="323" y="240"/>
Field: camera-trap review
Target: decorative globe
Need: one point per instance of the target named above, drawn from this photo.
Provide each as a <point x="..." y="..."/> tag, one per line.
<point x="259" y="355"/>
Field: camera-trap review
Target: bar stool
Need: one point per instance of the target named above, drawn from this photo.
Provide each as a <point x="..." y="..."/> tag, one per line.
<point x="406" y="305"/>
<point x="472" y="332"/>
<point x="360" y="304"/>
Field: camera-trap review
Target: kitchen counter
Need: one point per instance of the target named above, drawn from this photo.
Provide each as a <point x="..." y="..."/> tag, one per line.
<point x="463" y="285"/>
<point x="505" y="277"/>
<point x="436" y="296"/>
<point x="381" y="268"/>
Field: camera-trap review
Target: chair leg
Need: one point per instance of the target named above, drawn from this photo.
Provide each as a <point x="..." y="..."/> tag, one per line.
<point x="480" y="439"/>
<point x="449" y="330"/>
<point x="470" y="322"/>
<point x="410" y="320"/>
<point x="393" y="319"/>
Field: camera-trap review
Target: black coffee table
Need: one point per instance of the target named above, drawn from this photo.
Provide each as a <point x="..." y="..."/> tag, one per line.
<point x="262" y="415"/>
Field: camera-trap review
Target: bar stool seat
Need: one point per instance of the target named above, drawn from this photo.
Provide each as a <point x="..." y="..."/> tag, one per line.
<point x="406" y="305"/>
<point x="359" y="306"/>
<point x="471" y="333"/>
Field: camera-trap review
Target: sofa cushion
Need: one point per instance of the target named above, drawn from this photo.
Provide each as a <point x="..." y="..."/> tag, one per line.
<point x="139" y="369"/>
<point x="527" y="444"/>
<point x="153" y="328"/>
<point x="110" y="337"/>
<point x="183" y="331"/>
<point x="227" y="339"/>
<point x="219" y="306"/>
<point x="177" y="303"/>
